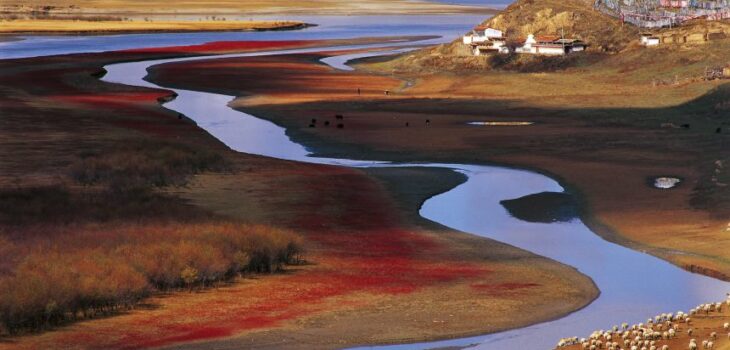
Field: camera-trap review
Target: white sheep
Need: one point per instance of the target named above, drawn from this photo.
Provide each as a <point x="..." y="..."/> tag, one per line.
<point x="713" y="335"/>
<point x="665" y="347"/>
<point x="726" y="326"/>
<point x="710" y="345"/>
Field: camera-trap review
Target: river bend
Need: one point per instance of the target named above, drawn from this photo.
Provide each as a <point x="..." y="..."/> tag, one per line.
<point x="633" y="285"/>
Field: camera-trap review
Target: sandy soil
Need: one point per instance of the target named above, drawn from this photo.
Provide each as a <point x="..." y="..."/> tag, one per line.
<point x="376" y="273"/>
<point x="83" y="27"/>
<point x="604" y="137"/>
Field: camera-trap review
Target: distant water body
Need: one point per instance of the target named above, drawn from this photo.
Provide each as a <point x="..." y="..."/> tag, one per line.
<point x="448" y="27"/>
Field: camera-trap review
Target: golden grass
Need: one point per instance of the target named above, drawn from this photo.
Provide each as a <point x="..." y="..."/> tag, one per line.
<point x="73" y="26"/>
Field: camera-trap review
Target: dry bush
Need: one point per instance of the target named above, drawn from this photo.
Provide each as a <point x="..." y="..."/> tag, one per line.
<point x="88" y="271"/>
<point x="145" y="165"/>
<point x="59" y="204"/>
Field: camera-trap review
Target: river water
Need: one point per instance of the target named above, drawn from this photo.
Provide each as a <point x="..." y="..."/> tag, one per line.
<point x="634" y="285"/>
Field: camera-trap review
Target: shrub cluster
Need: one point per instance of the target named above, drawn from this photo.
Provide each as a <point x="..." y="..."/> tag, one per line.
<point x="144" y="165"/>
<point x="87" y="272"/>
<point x="61" y="204"/>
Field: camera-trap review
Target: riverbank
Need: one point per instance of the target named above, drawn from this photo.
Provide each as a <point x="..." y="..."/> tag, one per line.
<point x="60" y="26"/>
<point x="604" y="153"/>
<point x="377" y="272"/>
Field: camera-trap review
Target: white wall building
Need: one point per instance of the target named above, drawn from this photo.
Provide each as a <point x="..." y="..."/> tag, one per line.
<point x="647" y="39"/>
<point x="550" y="45"/>
<point x="485" y="39"/>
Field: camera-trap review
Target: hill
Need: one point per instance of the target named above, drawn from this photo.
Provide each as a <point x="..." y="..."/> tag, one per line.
<point x="606" y="36"/>
<point x="572" y="18"/>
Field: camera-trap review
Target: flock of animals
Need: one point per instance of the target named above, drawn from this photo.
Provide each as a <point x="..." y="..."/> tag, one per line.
<point x="708" y="322"/>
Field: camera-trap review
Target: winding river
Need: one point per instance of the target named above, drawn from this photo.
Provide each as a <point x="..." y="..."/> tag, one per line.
<point x="633" y="285"/>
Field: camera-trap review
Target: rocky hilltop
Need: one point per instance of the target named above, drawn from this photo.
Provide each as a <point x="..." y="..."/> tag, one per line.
<point x="572" y="18"/>
<point x="605" y="35"/>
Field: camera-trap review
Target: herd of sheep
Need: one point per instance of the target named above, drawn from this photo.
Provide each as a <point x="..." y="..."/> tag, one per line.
<point x="658" y="332"/>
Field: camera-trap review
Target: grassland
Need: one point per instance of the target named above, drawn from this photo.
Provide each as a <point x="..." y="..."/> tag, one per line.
<point x="125" y="175"/>
<point x="94" y="27"/>
<point x="603" y="126"/>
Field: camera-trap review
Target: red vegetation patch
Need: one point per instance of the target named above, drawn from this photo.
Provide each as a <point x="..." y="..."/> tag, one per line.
<point x="360" y="249"/>
<point x="114" y="100"/>
<point x="222" y="46"/>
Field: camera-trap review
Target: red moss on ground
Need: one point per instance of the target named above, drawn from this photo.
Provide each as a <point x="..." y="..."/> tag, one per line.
<point x="117" y="100"/>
